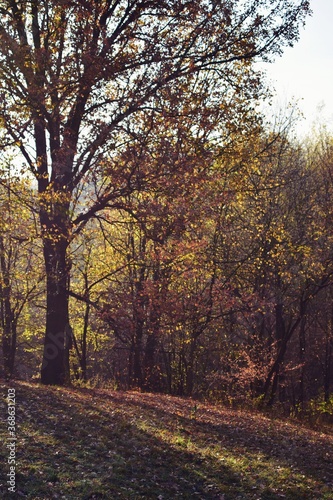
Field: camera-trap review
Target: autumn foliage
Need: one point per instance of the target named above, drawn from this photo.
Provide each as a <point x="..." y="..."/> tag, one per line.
<point x="158" y="232"/>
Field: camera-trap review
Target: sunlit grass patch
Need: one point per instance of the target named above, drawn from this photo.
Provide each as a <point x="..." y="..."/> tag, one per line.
<point x="102" y="444"/>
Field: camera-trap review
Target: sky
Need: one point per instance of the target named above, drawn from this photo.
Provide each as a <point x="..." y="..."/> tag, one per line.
<point x="305" y="72"/>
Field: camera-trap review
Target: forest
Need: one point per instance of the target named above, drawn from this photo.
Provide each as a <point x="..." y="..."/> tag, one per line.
<point x="159" y="230"/>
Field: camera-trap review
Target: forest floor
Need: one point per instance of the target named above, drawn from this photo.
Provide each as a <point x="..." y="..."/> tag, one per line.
<point x="89" y="443"/>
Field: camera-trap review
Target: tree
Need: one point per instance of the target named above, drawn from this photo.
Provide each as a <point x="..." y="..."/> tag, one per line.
<point x="19" y="282"/>
<point x="94" y="266"/>
<point x="79" y="81"/>
<point x="282" y="259"/>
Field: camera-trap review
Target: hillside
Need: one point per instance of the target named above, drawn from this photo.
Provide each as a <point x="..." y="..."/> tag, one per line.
<point x="85" y="444"/>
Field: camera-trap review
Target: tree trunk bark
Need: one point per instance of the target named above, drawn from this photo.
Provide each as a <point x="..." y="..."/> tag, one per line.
<point x="57" y="342"/>
<point x="282" y="349"/>
<point x="281" y="339"/>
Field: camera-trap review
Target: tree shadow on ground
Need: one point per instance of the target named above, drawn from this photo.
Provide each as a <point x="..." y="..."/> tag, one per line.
<point x="283" y="441"/>
<point x="88" y="444"/>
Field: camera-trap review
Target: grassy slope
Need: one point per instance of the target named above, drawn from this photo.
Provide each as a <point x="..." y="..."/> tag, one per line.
<point x="80" y="444"/>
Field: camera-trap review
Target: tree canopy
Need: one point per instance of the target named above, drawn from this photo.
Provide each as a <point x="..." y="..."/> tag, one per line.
<point x="105" y="99"/>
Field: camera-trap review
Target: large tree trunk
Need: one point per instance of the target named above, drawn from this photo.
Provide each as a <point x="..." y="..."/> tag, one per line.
<point x="55" y="194"/>
<point x="55" y="366"/>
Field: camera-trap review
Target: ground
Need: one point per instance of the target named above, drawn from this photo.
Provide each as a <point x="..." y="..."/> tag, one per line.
<point x="86" y="444"/>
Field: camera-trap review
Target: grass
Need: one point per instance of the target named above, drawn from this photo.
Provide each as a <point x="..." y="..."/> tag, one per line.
<point x="86" y="444"/>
